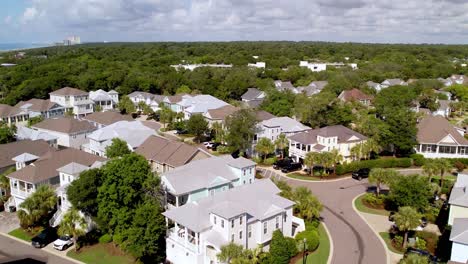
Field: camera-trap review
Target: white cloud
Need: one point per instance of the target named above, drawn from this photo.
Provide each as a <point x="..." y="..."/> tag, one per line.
<point x="7" y="20"/>
<point x="342" y="20"/>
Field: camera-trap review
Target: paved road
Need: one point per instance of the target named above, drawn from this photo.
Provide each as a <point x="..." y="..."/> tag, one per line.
<point x="12" y="249"/>
<point x="353" y="240"/>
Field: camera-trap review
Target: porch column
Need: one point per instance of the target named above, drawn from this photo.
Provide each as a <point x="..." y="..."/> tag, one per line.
<point x="185" y="236"/>
<point x="197" y="240"/>
<point x="437" y="149"/>
<point x="420" y="148"/>
<point x="177" y="201"/>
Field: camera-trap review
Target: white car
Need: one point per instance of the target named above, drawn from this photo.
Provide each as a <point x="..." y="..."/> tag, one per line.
<point x="208" y="145"/>
<point x="63" y="242"/>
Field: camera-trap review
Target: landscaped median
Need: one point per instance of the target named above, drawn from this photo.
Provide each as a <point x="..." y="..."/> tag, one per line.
<point x="322" y="253"/>
<point x="362" y="206"/>
<point x="23" y="234"/>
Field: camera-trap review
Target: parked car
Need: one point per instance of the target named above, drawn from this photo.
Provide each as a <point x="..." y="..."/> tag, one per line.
<point x="181" y="131"/>
<point x="293" y="166"/>
<point x="391" y="216"/>
<point x="208" y="145"/>
<point x="279" y="164"/>
<point x="63" y="242"/>
<point x="361" y="174"/>
<point x="44" y="238"/>
<point x="425" y="253"/>
<point x="215" y="146"/>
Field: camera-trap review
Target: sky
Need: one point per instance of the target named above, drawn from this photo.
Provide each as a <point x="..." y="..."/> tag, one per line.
<point x="382" y="21"/>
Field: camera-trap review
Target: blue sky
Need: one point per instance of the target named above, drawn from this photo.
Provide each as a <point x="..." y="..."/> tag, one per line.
<point x="396" y="21"/>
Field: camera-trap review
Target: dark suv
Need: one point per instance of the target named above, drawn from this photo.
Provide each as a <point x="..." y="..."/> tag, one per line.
<point x="361" y="174"/>
<point x="293" y="166"/>
<point x="279" y="164"/>
<point x="47" y="236"/>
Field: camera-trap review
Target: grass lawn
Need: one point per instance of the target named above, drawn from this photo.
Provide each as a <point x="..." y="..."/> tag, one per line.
<point x="22" y="234"/>
<point x="360" y="206"/>
<point x="101" y="253"/>
<point x="448" y="177"/>
<point x="301" y="176"/>
<point x="388" y="241"/>
<point x="319" y="256"/>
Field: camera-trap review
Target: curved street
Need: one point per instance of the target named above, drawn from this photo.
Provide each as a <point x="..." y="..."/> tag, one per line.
<point x="353" y="240"/>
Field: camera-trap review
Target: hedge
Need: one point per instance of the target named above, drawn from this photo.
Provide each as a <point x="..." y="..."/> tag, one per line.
<point x="462" y="160"/>
<point x="378" y="163"/>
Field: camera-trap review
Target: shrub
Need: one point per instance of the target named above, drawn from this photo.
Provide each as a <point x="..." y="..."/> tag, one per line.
<point x="374" y="201"/>
<point x="378" y="163"/>
<point x="291" y="245"/>
<point x="432" y="213"/>
<point x="106" y="238"/>
<point x="459" y="166"/>
<point x="257" y="160"/>
<point x="269" y="161"/>
<point x="397" y="241"/>
<point x="223" y="149"/>
<point x="430" y="239"/>
<point x="420" y="244"/>
<point x="461" y="160"/>
<point x="418" y="159"/>
<point x="312" y="237"/>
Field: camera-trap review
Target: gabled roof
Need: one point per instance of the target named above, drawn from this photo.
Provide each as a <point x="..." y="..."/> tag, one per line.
<point x="319" y="85"/>
<point x="260" y="200"/>
<point x="23" y="133"/>
<point x="343" y="133"/>
<point x="73" y="168"/>
<point x="459" y="194"/>
<point x="392" y="82"/>
<point x="37" y="105"/>
<point x="100" y="95"/>
<point x="433" y="129"/>
<point x="8" y="110"/>
<point x="263" y="115"/>
<point x="283" y="86"/>
<point x="199" y="174"/>
<point x="286" y="124"/>
<point x="132" y="132"/>
<point x="166" y="151"/>
<point x="68" y="91"/>
<point x="46" y="166"/>
<point x="25" y="157"/>
<point x="65" y="125"/>
<point x="354" y="95"/>
<point x="107" y="118"/>
<point x="10" y="150"/>
<point x="251" y="94"/>
<point x="459" y="233"/>
<point x="201" y="103"/>
<point x="221" y="113"/>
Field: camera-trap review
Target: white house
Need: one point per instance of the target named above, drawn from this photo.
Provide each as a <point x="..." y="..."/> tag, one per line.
<point x="253" y="97"/>
<point x="246" y="215"/>
<point x="459" y="199"/>
<point x="39" y="107"/>
<point x="152" y="100"/>
<point x="392" y="82"/>
<point x="437" y="138"/>
<point x="459" y="238"/>
<point x="206" y="177"/>
<point x="374" y="85"/>
<point x="11" y="115"/>
<point x="273" y="127"/>
<point x="192" y="67"/>
<point x="193" y="104"/>
<point x="73" y="99"/>
<point x="106" y="100"/>
<point x="258" y="64"/>
<point x="315" y="67"/>
<point x="70" y="132"/>
<point x="324" y="139"/>
<point x="132" y="132"/>
<point x="26" y="133"/>
<point x="444" y="108"/>
<point x="102" y="119"/>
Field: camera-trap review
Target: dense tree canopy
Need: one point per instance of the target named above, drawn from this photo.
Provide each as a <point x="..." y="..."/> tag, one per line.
<point x="118" y="148"/>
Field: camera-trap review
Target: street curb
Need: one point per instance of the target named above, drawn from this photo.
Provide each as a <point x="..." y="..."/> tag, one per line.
<point x="299" y="180"/>
<point x="48" y="251"/>
<point x="375" y="232"/>
<point x="330" y="254"/>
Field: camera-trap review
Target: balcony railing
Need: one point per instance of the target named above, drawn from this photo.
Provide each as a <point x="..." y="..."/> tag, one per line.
<point x="179" y="237"/>
<point x="23" y="193"/>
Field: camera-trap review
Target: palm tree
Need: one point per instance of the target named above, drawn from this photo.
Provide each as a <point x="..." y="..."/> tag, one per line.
<point x="37" y="206"/>
<point x="282" y="143"/>
<point x="265" y="147"/>
<point x="310" y="160"/>
<point x="73" y="224"/>
<point x="218" y="132"/>
<point x="230" y="252"/>
<point x="381" y="176"/>
<point x="336" y="157"/>
<point x="327" y="160"/>
<point x="430" y="169"/>
<point x="5" y="182"/>
<point x="406" y="219"/>
<point x="443" y="166"/>
<point x="356" y="151"/>
<point x="286" y="190"/>
<point x="307" y="205"/>
<point x="370" y="146"/>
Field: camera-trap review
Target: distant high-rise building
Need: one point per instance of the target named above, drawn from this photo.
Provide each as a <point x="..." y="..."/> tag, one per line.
<point x="73" y="40"/>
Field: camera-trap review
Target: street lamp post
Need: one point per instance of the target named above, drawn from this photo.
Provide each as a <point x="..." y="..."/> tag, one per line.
<point x="304" y="249"/>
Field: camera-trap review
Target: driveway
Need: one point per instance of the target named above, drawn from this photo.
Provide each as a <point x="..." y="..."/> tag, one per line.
<point x="8" y="222"/>
<point x="353" y="240"/>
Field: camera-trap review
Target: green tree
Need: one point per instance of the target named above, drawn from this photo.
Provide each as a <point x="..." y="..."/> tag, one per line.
<point x="82" y="192"/>
<point x="407" y="219"/>
<point x="310" y="160"/>
<point x="357" y="151"/>
<point x="286" y="190"/>
<point x="282" y="143"/>
<point x="34" y="210"/>
<point x="241" y="127"/>
<point x="5" y="182"/>
<point x="166" y="116"/>
<point x="126" y="105"/>
<point x="73" y="224"/>
<point x="307" y="206"/>
<point x="381" y="176"/>
<point x="34" y="120"/>
<point x="414" y="259"/>
<point x="144" y="108"/>
<point x="230" y="252"/>
<point x="183" y="89"/>
<point x="336" y="158"/>
<point x="279" y="251"/>
<point x="369" y="147"/>
<point x="412" y="190"/>
<point x="7" y="134"/>
<point x="97" y="108"/>
<point x="443" y="166"/>
<point x="219" y="132"/>
<point x="430" y="169"/>
<point x="197" y="126"/>
<point x="265" y="147"/>
<point x="118" y="148"/>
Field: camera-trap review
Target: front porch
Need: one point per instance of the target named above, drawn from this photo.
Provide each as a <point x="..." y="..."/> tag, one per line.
<point x="442" y="151"/>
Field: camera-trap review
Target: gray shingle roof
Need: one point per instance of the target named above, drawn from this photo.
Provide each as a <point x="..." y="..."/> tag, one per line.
<point x="459" y="194"/>
<point x="73" y="168"/>
<point x="343" y="133"/>
<point x="287" y="124"/>
<point x="459" y="233"/>
<point x="251" y="94"/>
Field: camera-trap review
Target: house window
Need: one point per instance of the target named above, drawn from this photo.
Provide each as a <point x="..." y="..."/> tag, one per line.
<point x="277" y="222"/>
<point x="250" y="231"/>
<point x="232" y="223"/>
<point x="250" y="171"/>
<point x="250" y="180"/>
<point x="212" y="192"/>
<point x="240" y="220"/>
<point x="222" y="223"/>
<point x="265" y="228"/>
<point x="447" y="149"/>
<point x="232" y="238"/>
<point x="240" y="234"/>
<point x="462" y="150"/>
<point x="285" y="216"/>
<point x="69" y="178"/>
<point x="214" y="218"/>
<point x="63" y="177"/>
<point x="243" y="172"/>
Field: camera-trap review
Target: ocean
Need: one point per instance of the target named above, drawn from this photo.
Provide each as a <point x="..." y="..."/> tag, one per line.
<point x="15" y="46"/>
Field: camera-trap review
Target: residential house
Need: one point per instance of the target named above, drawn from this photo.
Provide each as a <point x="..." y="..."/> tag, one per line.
<point x="165" y="154"/>
<point x="444" y="108"/>
<point x="324" y="139"/>
<point x="10" y="150"/>
<point x="459" y="238"/>
<point x="70" y="132"/>
<point x="374" y="85"/>
<point x="33" y="171"/>
<point x="284" y="86"/>
<point x="273" y="127"/>
<point x="258" y="64"/>
<point x="105" y="100"/>
<point x="458" y="79"/>
<point x="40" y="107"/>
<point x="437" y="138"/>
<point x="446" y="82"/>
<point x="193" y="104"/>
<point x="206" y="177"/>
<point x="219" y="115"/>
<point x="458" y="200"/>
<point x="314" y="87"/>
<point x="355" y="95"/>
<point x="102" y="119"/>
<point x="132" y="132"/>
<point x="392" y="82"/>
<point x="192" y="67"/>
<point x="315" y="67"/>
<point x="447" y="94"/>
<point x="73" y="99"/>
<point x="253" y="97"/>
<point x="152" y="100"/>
<point x="262" y="115"/>
<point x="246" y="215"/>
<point x="11" y="115"/>
<point x="26" y="133"/>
